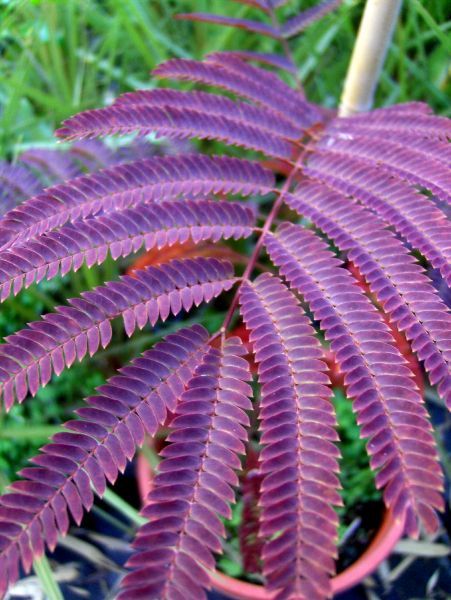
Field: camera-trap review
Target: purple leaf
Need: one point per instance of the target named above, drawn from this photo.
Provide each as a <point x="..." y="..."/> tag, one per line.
<point x="188" y="494"/>
<point x="281" y="335"/>
<point x="96" y="309"/>
<point x="61" y="479"/>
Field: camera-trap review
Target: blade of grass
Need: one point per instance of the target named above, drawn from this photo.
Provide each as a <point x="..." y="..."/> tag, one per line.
<point x="45" y="575"/>
<point x="123" y="507"/>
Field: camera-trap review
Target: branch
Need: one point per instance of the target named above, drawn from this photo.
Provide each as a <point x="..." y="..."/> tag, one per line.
<point x="374" y="37"/>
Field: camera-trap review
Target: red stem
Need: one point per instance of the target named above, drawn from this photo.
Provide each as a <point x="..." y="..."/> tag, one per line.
<point x="266" y="227"/>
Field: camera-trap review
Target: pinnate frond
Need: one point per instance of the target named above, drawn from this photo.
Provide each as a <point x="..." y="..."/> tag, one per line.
<point x="213" y="104"/>
<point x="389" y="407"/>
<point x="120" y="233"/>
<point x="93" y="448"/>
<point x="93" y="154"/>
<point x="150" y="180"/>
<point x="301" y="21"/>
<point x="270" y="59"/>
<point x="30" y="356"/>
<point x="290" y="28"/>
<point x="251" y="544"/>
<point x="395" y="158"/>
<point x="416" y="139"/>
<point x="414" y="216"/>
<point x="298" y="460"/>
<point x="247" y="24"/>
<point x="194" y="482"/>
<point x="56" y="165"/>
<point x="236" y="76"/>
<point x="175" y="122"/>
<point x="16" y="183"/>
<point x="295" y="103"/>
<point x="398" y="282"/>
<point x="263" y="5"/>
<point x="409" y="118"/>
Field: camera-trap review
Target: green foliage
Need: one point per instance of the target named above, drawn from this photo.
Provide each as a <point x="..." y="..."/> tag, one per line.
<point x="357" y="478"/>
<point x="57" y="58"/>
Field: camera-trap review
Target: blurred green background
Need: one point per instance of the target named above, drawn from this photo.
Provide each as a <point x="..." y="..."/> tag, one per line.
<point x="58" y="57"/>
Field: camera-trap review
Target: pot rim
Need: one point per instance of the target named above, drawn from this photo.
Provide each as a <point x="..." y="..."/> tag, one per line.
<point x="381" y="546"/>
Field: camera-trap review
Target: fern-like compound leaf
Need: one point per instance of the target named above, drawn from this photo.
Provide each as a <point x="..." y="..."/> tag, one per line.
<point x="415" y="217"/>
<point x="30" y="356"/>
<point x="181" y="123"/>
<point x="94" y="448"/>
<point x="55" y="165"/>
<point x="272" y="60"/>
<point x="120" y="233"/>
<point x="194" y="483"/>
<point x="16" y="184"/>
<point x="246" y="24"/>
<point x="245" y="114"/>
<point x="264" y="5"/>
<point x="290" y="28"/>
<point x="301" y="21"/>
<point x="389" y="407"/>
<point x="399" y="284"/>
<point x="151" y="180"/>
<point x="395" y="158"/>
<point x="246" y="81"/>
<point x="411" y="118"/>
<point x="92" y="154"/>
<point x="299" y="459"/>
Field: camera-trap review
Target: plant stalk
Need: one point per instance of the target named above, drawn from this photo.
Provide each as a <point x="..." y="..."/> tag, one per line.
<point x="297" y="166"/>
<point x="45" y="575"/>
<point x="373" y="40"/>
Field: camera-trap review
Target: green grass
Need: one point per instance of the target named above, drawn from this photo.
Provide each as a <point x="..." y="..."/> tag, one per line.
<point x="60" y="57"/>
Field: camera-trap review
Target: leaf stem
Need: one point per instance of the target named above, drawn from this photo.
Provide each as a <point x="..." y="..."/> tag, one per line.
<point x="258" y="246"/>
<point x="286" y="48"/>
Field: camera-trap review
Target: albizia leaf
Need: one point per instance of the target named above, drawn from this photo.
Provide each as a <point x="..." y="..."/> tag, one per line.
<point x="251" y="544"/>
<point x="150" y="180"/>
<point x="172" y="122"/>
<point x="307" y="113"/>
<point x="276" y="3"/>
<point x="301" y="21"/>
<point x="394" y="158"/>
<point x="235" y="76"/>
<point x="193" y="485"/>
<point x="56" y="165"/>
<point x="409" y="118"/>
<point x="120" y="233"/>
<point x="261" y="4"/>
<point x="389" y="408"/>
<point x="188" y="249"/>
<point x="93" y="154"/>
<point x="94" y="448"/>
<point x="30" y="356"/>
<point x="246" y="24"/>
<point x="251" y="116"/>
<point x="272" y="60"/>
<point x="437" y="149"/>
<point x="16" y="184"/>
<point x="298" y="460"/>
<point x="414" y="216"/>
<point x="405" y="109"/>
<point x="398" y="282"/>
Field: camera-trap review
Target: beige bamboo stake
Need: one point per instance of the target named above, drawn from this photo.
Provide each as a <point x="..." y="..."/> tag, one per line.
<point x="373" y="39"/>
